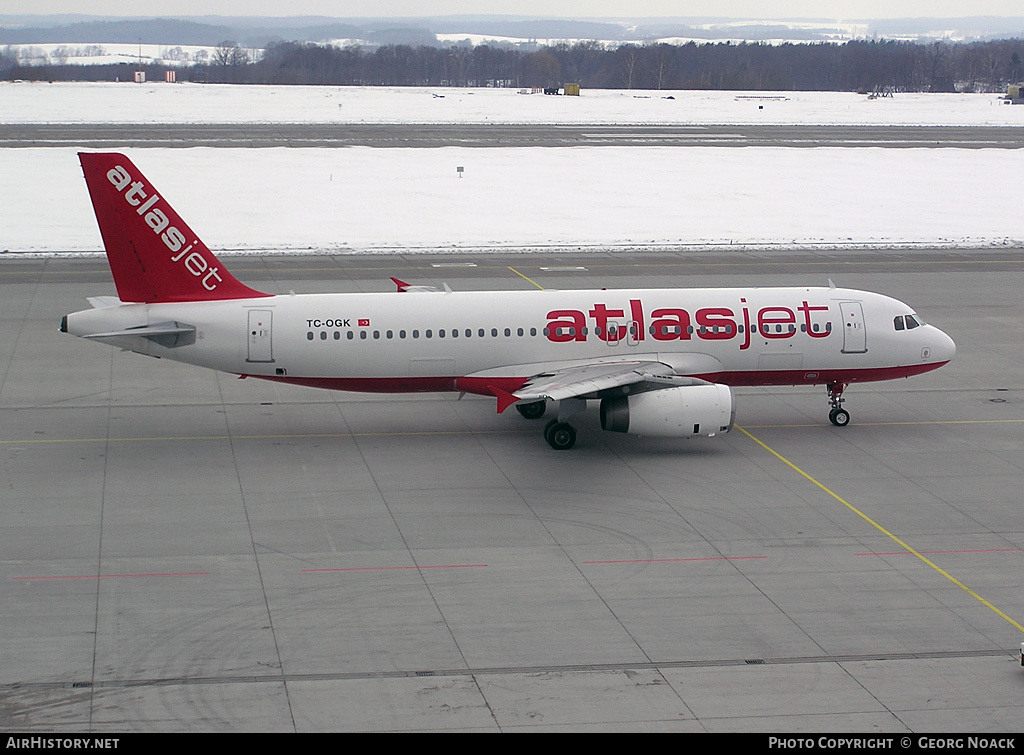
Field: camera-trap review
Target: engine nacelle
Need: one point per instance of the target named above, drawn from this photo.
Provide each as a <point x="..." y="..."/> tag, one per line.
<point x="680" y="412"/>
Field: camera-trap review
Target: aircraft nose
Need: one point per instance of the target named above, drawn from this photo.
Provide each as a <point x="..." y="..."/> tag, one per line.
<point x="943" y="348"/>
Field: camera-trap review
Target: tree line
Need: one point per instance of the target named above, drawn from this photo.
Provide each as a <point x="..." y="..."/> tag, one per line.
<point x="862" y="65"/>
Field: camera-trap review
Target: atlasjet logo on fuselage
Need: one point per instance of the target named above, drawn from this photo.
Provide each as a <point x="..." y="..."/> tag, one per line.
<point x="674" y="323"/>
<point x="157" y="221"/>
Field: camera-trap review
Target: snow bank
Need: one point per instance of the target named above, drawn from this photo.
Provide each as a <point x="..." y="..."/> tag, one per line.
<point x="362" y="199"/>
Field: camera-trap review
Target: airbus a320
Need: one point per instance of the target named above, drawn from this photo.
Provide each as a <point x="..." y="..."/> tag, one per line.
<point x="660" y="362"/>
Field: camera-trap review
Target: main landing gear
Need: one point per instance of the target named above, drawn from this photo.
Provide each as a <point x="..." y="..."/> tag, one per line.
<point x="838" y="416"/>
<point x="534" y="410"/>
<point x="559" y="434"/>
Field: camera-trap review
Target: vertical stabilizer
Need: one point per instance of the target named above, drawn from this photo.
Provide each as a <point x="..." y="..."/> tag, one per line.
<point x="153" y="255"/>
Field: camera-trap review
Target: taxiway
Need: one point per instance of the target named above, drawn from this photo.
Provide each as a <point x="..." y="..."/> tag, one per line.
<point x="181" y="550"/>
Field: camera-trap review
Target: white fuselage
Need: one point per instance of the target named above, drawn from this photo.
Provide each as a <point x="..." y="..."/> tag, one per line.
<point x="442" y="340"/>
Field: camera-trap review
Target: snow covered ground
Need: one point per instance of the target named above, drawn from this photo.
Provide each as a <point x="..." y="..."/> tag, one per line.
<point x="363" y="199"/>
<point x="25" y="102"/>
<point x="360" y="199"/>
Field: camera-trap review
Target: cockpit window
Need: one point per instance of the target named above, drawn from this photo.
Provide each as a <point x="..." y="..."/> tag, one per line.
<point x="907" y="321"/>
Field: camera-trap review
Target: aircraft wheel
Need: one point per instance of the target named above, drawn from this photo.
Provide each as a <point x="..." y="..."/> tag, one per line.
<point x="547" y="428"/>
<point x="561" y="436"/>
<point x="839" y="417"/>
<point x="534" y="410"/>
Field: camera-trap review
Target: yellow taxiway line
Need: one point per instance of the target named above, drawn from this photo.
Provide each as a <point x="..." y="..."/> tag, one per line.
<point x="881" y="529"/>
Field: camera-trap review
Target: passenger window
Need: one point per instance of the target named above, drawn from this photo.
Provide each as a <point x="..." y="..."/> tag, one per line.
<point x="480" y="332"/>
<point x="350" y="335"/>
<point x="508" y="332"/>
<point x="309" y="336"/>
<point x="494" y="332"/>
<point x="362" y="335"/>
<point x="519" y="332"/>
<point x="323" y="335"/>
<point x="337" y="336"/>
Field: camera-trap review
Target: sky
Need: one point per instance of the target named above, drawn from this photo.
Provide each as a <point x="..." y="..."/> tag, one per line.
<point x="755" y="9"/>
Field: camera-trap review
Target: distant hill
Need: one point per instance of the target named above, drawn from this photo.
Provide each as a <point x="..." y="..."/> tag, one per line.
<point x="149" y="31"/>
<point x="969" y="27"/>
<point x="543" y="29"/>
<point x="259" y="31"/>
<point x="170" y="31"/>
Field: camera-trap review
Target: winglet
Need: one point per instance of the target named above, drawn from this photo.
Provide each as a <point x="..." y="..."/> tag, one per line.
<point x="402" y="285"/>
<point x="505" y="399"/>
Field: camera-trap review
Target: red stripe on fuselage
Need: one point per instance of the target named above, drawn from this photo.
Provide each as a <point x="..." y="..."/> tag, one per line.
<point x="484" y="386"/>
<point x="817" y="377"/>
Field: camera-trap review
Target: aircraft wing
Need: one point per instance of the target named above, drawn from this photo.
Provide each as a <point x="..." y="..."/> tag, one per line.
<point x="593" y="380"/>
<point x="579" y="381"/>
<point x="404" y="287"/>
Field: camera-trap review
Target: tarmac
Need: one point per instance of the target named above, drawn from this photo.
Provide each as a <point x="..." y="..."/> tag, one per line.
<point x="184" y="551"/>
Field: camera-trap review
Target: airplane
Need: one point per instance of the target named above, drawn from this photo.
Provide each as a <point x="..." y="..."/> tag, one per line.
<point x="661" y="362"/>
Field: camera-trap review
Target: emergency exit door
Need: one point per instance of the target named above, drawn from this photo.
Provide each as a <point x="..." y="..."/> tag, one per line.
<point x="260" y="336"/>
<point x="855" y="339"/>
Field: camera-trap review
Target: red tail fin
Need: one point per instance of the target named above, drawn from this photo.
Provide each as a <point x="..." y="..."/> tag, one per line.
<point x="153" y="255"/>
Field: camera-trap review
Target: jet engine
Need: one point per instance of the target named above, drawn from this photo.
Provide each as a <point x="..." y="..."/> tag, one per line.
<point x="678" y="412"/>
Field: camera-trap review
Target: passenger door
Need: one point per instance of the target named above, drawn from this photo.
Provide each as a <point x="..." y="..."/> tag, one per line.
<point x="855" y="339"/>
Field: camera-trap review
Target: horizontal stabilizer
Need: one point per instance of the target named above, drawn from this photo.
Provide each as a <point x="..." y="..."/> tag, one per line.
<point x="104" y="302"/>
<point x="168" y="334"/>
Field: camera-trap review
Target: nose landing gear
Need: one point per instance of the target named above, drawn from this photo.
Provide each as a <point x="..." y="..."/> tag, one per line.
<point x="838" y="416"/>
